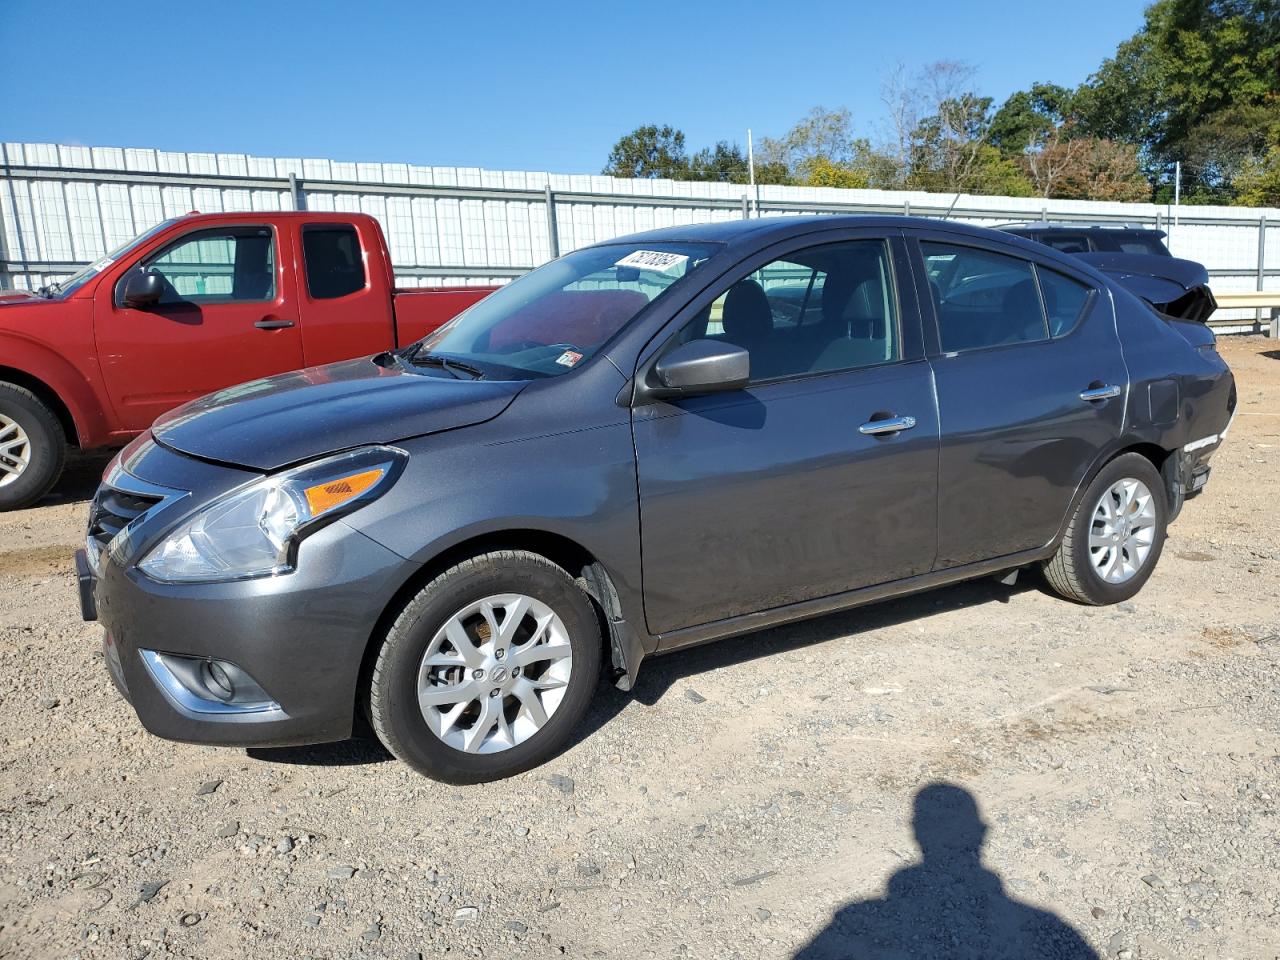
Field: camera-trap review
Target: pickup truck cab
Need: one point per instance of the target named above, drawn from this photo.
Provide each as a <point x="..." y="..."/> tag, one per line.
<point x="193" y="305"/>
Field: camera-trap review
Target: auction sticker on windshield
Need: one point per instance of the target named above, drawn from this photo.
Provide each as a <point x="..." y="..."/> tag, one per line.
<point x="652" y="260"/>
<point x="569" y="358"/>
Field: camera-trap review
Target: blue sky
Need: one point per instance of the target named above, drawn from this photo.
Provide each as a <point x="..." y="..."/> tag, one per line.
<point x="532" y="86"/>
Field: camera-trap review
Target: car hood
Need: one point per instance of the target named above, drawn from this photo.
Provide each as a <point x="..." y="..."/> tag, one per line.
<point x="21" y="298"/>
<point x="1179" y="288"/>
<point x="278" y="421"/>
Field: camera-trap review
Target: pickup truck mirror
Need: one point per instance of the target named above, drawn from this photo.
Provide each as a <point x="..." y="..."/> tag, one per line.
<point x="696" y="368"/>
<point x="143" y="290"/>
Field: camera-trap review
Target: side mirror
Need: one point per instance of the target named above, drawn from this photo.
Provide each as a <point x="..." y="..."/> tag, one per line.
<point x="696" y="368"/>
<point x="143" y="290"/>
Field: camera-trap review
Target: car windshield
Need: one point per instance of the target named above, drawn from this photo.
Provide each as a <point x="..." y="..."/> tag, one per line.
<point x="76" y="280"/>
<point x="559" y="315"/>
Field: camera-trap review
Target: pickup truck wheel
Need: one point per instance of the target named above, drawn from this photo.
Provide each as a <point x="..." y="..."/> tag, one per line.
<point x="33" y="447"/>
<point x="1115" y="536"/>
<point x="487" y="670"/>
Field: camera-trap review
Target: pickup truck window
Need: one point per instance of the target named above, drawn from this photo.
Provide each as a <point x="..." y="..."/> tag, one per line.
<point x="558" y="316"/>
<point x="335" y="267"/>
<point x="78" y="279"/>
<point x="223" y="265"/>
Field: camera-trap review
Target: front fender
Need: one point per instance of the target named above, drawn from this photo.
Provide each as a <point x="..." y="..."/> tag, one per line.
<point x="70" y="373"/>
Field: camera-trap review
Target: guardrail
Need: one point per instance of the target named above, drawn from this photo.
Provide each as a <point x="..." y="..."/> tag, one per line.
<point x="1249" y="300"/>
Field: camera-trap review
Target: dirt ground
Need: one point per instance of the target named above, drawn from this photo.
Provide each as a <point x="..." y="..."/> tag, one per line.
<point x="779" y="794"/>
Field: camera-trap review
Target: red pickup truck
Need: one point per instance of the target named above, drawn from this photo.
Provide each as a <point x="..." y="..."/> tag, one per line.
<point x="195" y="304"/>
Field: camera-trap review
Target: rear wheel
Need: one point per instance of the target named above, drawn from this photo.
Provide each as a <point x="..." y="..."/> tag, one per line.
<point x="1115" y="536"/>
<point x="33" y="447"/>
<point x="487" y="670"/>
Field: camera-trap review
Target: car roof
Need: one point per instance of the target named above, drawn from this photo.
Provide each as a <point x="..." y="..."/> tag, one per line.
<point x="742" y="237"/>
<point x="768" y="229"/>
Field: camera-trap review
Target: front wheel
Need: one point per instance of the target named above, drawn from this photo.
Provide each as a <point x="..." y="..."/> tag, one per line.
<point x="487" y="670"/>
<point x="33" y="447"/>
<point x="1115" y="536"/>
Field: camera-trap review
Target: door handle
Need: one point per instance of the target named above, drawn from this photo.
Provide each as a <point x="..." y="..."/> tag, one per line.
<point x="890" y="425"/>
<point x="1104" y="392"/>
<point x="272" y="323"/>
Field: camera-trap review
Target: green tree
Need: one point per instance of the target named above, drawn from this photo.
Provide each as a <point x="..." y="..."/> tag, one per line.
<point x="1188" y="87"/>
<point x="723" y="163"/>
<point x="822" y="172"/>
<point x="950" y="152"/>
<point x="820" y="150"/>
<point x="1029" y="118"/>
<point x="1258" y="183"/>
<point x="649" y="152"/>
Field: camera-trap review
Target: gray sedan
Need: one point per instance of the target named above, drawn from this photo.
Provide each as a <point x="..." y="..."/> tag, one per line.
<point x="670" y="438"/>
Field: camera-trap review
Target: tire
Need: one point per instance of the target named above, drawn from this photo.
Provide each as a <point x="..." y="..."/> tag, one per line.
<point x="1099" y="574"/>
<point x="513" y="739"/>
<point x="33" y="447"/>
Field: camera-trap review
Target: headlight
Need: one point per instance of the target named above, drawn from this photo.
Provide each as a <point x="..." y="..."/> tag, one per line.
<point x="254" y="531"/>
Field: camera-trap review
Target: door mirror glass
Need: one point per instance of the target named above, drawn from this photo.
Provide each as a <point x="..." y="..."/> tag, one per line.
<point x="699" y="367"/>
<point x="143" y="290"/>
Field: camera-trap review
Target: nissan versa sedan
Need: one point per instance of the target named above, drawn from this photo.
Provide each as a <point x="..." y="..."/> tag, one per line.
<point x="657" y="441"/>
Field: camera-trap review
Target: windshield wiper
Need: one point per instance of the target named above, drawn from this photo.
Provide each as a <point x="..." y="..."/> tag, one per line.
<point x="452" y="367"/>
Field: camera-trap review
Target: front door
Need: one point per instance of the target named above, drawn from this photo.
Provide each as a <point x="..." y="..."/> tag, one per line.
<point x="818" y="478"/>
<point x="228" y="314"/>
<point x="1031" y="388"/>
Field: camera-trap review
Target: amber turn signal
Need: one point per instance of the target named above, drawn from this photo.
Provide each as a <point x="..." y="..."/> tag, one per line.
<point x="323" y="497"/>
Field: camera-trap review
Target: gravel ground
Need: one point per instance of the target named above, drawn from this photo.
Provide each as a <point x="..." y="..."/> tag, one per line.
<point x="763" y="797"/>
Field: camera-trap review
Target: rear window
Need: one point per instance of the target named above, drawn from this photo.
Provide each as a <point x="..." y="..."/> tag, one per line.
<point x="1147" y="245"/>
<point x="1065" y="242"/>
<point x="335" y="267"/>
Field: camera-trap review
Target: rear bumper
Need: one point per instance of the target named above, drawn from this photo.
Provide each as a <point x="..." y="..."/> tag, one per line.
<point x="301" y="637"/>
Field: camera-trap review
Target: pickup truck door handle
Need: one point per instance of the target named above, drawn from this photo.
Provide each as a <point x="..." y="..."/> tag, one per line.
<point x="1105" y="392"/>
<point x="273" y="323"/>
<point x="889" y="425"/>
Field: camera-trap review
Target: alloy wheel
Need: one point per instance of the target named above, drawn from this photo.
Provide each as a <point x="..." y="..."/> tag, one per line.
<point x="1123" y="530"/>
<point x="495" y="673"/>
<point x="15" y="450"/>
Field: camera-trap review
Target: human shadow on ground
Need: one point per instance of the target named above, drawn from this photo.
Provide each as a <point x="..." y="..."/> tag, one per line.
<point x="947" y="905"/>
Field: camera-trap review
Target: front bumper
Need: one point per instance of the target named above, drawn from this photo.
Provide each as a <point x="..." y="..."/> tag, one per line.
<point x="301" y="636"/>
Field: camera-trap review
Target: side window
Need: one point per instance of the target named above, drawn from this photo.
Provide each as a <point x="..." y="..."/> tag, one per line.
<point x="218" y="266"/>
<point x="823" y="309"/>
<point x="1143" y="244"/>
<point x="1064" y="300"/>
<point x="983" y="299"/>
<point x="1066" y="242"/>
<point x="335" y="267"/>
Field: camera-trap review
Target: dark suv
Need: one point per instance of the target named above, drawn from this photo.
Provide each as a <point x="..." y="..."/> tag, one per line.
<point x="1135" y="256"/>
<point x="1092" y="237"/>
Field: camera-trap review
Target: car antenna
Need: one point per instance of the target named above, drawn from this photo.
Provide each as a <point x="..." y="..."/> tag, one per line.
<point x="953" y="206"/>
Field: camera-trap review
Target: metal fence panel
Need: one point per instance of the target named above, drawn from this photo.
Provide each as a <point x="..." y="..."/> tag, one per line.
<point x="63" y="206"/>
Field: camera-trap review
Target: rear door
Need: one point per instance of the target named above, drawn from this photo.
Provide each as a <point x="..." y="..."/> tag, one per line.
<point x="344" y="291"/>
<point x="228" y="314"/>
<point x="1031" y="389"/>
<point x="792" y="489"/>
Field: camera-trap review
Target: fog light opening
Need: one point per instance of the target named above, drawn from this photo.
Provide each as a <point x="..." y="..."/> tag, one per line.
<point x="216" y="681"/>
<point x="208" y="687"/>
